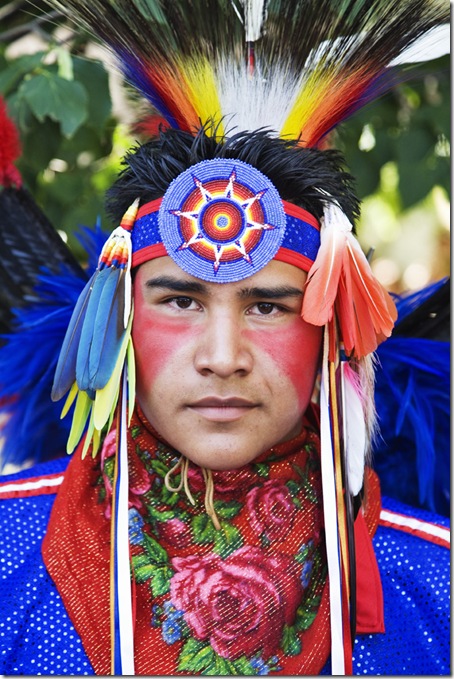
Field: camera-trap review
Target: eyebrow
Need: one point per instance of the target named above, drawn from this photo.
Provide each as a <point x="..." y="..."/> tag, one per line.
<point x="176" y="284"/>
<point x="275" y="292"/>
<point x="254" y="292"/>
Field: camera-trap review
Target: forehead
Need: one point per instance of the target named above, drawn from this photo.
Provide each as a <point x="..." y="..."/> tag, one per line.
<point x="274" y="275"/>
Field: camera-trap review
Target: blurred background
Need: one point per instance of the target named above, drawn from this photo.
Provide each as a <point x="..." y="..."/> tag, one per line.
<point x="76" y="121"/>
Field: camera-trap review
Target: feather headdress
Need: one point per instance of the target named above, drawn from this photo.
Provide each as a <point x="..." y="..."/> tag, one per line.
<point x="298" y="68"/>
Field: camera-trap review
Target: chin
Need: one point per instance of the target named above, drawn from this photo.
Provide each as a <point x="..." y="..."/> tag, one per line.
<point x="220" y="458"/>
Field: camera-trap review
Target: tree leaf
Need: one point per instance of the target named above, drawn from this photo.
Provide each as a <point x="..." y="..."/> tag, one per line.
<point x="17" y="69"/>
<point x="40" y="145"/>
<point x="95" y="80"/>
<point x="62" y="100"/>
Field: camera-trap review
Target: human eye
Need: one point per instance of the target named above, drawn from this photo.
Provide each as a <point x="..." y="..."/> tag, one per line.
<point x="267" y="309"/>
<point x="182" y="302"/>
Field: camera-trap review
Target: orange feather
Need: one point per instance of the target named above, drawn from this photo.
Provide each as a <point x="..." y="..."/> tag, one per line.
<point x="323" y="279"/>
<point x="341" y="278"/>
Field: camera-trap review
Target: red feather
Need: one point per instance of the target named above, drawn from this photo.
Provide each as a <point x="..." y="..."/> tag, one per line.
<point x="10" y="150"/>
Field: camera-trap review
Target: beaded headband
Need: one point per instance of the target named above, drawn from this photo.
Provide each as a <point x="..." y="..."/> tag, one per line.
<point x="222" y="221"/>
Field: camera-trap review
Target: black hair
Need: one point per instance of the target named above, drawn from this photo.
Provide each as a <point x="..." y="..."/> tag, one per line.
<point x="306" y="177"/>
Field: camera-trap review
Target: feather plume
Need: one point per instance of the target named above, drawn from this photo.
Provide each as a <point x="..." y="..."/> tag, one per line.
<point x="254" y="16"/>
<point x="95" y="346"/>
<point x="108" y="330"/>
<point x="33" y="430"/>
<point x="65" y="373"/>
<point x="315" y="62"/>
<point x="354" y="428"/>
<point x="82" y="328"/>
<point x="97" y="328"/>
<point x="342" y="279"/>
<point x="413" y="380"/>
<point x="10" y="150"/>
<point x="323" y="279"/>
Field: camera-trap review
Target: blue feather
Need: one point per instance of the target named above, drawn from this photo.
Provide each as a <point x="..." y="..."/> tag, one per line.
<point x="88" y="327"/>
<point x="65" y="374"/>
<point x="108" y="330"/>
<point x="33" y="430"/>
<point x="411" y="301"/>
<point x="412" y="458"/>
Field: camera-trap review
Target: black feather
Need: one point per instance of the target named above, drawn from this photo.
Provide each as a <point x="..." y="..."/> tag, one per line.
<point x="29" y="242"/>
<point x="297" y="172"/>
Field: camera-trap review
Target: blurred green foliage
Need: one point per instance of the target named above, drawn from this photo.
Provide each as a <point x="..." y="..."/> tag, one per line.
<point x="72" y="144"/>
<point x="409" y="127"/>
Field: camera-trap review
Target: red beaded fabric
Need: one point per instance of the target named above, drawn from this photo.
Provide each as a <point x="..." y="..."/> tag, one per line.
<point x="249" y="598"/>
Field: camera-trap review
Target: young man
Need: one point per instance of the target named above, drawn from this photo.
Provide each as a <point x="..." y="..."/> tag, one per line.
<point x="218" y="529"/>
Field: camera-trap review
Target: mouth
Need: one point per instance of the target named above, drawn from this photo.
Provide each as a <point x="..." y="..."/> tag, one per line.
<point x="216" y="409"/>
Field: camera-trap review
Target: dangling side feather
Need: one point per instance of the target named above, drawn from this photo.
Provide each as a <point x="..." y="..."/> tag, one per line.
<point x="341" y="279"/>
<point x="354" y="428"/>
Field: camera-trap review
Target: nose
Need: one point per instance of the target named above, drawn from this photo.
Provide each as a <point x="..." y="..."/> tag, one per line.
<point x="222" y="349"/>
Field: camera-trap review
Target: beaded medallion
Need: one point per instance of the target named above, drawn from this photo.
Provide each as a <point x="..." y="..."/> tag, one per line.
<point x="222" y="220"/>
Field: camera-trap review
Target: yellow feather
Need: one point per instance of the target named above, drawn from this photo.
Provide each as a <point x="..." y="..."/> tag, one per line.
<point x="202" y="91"/>
<point x="89" y="435"/>
<point x="81" y="412"/>
<point x="106" y="399"/>
<point x="69" y="401"/>
<point x="313" y="91"/>
<point x="96" y="442"/>
<point x="109" y="423"/>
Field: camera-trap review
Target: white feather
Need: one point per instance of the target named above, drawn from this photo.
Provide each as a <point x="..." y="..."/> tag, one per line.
<point x="432" y="45"/>
<point x="355" y="431"/>
<point x="262" y="101"/>
<point x="255" y="15"/>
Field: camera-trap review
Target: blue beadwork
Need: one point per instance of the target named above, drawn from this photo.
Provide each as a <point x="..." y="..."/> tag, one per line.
<point x="222" y="220"/>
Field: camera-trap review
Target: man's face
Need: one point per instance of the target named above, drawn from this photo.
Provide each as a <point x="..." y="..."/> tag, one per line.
<point x="224" y="371"/>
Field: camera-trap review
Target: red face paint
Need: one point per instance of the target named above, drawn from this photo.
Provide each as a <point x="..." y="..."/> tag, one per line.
<point x="156" y="339"/>
<point x="294" y="351"/>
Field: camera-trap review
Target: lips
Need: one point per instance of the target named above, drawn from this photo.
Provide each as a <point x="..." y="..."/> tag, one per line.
<point x="217" y="409"/>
